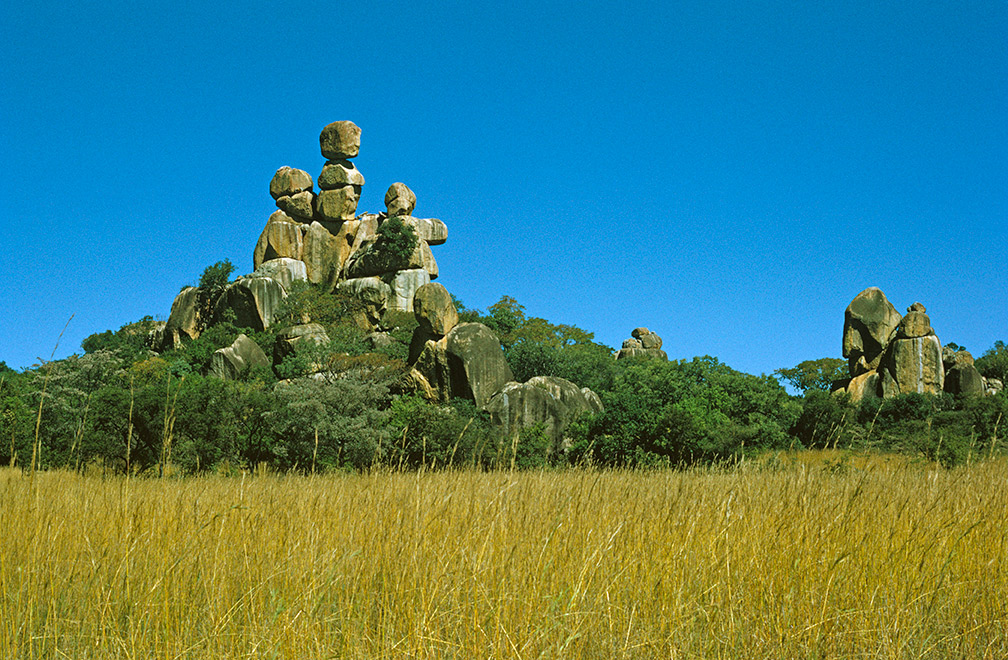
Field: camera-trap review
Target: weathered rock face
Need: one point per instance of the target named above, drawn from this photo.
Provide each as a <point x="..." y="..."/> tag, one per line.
<point x="230" y="362"/>
<point x="282" y="237"/>
<point x="373" y="293"/>
<point x="912" y="365"/>
<point x="642" y="343"/>
<point x="547" y="400"/>
<point x="338" y="204"/>
<point x="404" y="285"/>
<point x="869" y="322"/>
<point x="399" y="200"/>
<point x="284" y="270"/>
<point x="296" y="338"/>
<point x="323" y="254"/>
<point x="289" y="181"/>
<point x="992" y="386"/>
<point x="864" y="385"/>
<point x="253" y="300"/>
<point x="340" y="140"/>
<point x="435" y="310"/>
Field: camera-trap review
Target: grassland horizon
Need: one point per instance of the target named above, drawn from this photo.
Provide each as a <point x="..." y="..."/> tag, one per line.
<point x="814" y="554"/>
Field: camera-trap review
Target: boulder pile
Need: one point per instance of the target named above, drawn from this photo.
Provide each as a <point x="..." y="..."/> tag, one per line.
<point x="889" y="354"/>
<point x="642" y="343"/>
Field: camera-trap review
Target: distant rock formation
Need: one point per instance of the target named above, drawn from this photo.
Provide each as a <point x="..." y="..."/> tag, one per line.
<point x="642" y="343"/>
<point x="888" y="354"/>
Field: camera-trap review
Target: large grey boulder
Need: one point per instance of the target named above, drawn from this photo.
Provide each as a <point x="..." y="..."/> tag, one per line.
<point x="323" y="254"/>
<point x="254" y="301"/>
<point x="435" y="310"/>
<point x="964" y="379"/>
<point x="547" y="400"/>
<point x="466" y="363"/>
<point x="869" y="322"/>
<point x="289" y="181"/>
<point x="231" y="362"/>
<point x="284" y="270"/>
<point x="340" y="140"/>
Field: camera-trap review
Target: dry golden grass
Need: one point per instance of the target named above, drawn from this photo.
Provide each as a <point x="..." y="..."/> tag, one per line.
<point x="794" y="558"/>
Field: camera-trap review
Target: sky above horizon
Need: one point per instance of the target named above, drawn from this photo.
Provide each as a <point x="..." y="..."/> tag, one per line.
<point x="729" y="175"/>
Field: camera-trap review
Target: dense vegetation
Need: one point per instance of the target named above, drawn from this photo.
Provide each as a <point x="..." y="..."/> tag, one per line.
<point x="126" y="408"/>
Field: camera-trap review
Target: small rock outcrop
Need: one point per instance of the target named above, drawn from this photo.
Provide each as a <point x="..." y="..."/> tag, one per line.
<point x="642" y="343"/>
<point x="230" y="362"/>
<point x="889" y="354"/>
<point x="296" y="338"/>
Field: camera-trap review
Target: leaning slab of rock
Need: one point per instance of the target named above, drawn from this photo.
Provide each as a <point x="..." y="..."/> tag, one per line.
<point x="964" y="379"/>
<point x="399" y="200"/>
<point x="476" y="360"/>
<point x="289" y="181"/>
<point x="282" y="237"/>
<point x="431" y="230"/>
<point x="184" y="320"/>
<point x="866" y="384"/>
<point x="340" y="140"/>
<point x="254" y="301"/>
<point x="231" y="362"/>
<point x="323" y="254"/>
<point x="869" y="322"/>
<point x="435" y="310"/>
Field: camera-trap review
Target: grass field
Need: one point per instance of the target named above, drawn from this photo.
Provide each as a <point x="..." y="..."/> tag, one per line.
<point x="803" y="556"/>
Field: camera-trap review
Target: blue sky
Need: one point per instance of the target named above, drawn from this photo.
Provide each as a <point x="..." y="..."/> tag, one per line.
<point x="730" y="175"/>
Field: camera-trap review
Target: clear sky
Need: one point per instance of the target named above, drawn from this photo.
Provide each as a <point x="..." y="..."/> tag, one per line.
<point x="728" y="174"/>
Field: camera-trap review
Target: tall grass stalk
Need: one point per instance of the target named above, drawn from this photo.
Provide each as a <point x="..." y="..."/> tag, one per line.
<point x="36" y="445"/>
<point x="773" y="558"/>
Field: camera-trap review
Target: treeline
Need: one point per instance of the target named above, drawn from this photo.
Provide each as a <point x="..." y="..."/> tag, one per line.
<point x="344" y="405"/>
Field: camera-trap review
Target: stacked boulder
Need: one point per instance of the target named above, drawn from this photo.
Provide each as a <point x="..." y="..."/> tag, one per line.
<point x="642" y="343"/>
<point x="889" y="354"/>
<point x="402" y="276"/>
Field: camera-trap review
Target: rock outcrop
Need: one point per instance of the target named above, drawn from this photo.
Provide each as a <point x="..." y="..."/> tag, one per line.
<point x="296" y="339"/>
<point x="642" y="343"/>
<point x="888" y="354"/>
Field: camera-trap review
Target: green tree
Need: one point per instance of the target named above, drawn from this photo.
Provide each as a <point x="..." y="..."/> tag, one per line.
<point x="814" y="374"/>
<point x="994" y="362"/>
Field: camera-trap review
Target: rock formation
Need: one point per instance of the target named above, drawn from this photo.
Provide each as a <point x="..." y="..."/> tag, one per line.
<point x="888" y="354"/>
<point x="642" y="343"/>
